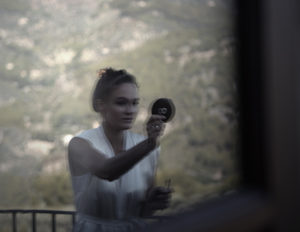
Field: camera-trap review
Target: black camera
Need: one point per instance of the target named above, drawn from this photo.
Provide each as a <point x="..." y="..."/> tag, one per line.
<point x="165" y="107"/>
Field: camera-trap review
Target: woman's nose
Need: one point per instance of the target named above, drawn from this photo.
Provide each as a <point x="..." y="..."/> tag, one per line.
<point x="131" y="109"/>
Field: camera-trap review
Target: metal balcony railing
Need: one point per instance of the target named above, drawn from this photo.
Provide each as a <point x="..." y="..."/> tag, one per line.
<point x="14" y="213"/>
<point x="53" y="213"/>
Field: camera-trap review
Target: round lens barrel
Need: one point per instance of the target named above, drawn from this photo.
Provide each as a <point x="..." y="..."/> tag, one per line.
<point x="165" y="107"/>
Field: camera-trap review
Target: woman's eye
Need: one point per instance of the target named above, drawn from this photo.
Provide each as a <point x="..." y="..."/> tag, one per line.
<point x="121" y="103"/>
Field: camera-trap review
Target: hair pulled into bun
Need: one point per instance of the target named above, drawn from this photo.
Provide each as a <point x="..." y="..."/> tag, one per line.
<point x="109" y="78"/>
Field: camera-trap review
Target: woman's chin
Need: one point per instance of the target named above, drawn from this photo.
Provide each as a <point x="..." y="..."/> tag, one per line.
<point x="126" y="127"/>
<point x="120" y="126"/>
<point x="123" y="126"/>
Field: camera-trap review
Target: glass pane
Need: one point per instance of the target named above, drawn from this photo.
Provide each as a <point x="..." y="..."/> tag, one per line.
<point x="180" y="49"/>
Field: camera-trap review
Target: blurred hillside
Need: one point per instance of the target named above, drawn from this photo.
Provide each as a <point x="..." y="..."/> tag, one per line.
<point x="51" y="51"/>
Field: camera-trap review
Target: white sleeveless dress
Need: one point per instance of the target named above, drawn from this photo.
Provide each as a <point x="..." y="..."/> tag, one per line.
<point x="113" y="206"/>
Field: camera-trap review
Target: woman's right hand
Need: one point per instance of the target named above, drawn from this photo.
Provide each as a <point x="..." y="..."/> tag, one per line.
<point x="155" y="127"/>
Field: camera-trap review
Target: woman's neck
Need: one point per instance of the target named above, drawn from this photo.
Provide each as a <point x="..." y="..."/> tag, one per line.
<point x="115" y="137"/>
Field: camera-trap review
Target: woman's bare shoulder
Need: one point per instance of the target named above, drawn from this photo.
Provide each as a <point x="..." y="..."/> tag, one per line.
<point x="78" y="144"/>
<point x="76" y="148"/>
<point x="83" y="157"/>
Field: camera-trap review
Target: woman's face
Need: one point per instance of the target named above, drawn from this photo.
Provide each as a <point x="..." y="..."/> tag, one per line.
<point x="120" y="108"/>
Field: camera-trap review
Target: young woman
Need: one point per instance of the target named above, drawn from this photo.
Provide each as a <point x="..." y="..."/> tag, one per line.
<point x="112" y="168"/>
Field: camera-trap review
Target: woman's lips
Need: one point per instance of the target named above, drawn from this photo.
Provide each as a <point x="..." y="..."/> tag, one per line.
<point x="127" y="119"/>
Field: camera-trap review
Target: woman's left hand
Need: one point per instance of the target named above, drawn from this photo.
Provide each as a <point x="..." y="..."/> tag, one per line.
<point x="158" y="199"/>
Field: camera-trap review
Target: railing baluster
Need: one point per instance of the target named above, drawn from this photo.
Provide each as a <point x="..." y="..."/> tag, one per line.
<point x="33" y="222"/>
<point x="73" y="219"/>
<point x="14" y="221"/>
<point x="53" y="222"/>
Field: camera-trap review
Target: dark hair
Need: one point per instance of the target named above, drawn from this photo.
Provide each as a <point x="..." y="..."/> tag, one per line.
<point x="109" y="78"/>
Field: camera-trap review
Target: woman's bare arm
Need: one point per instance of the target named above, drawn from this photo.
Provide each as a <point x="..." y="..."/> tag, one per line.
<point x="84" y="158"/>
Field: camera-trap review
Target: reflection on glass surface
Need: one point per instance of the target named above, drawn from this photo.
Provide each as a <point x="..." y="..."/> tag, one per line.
<point x="181" y="49"/>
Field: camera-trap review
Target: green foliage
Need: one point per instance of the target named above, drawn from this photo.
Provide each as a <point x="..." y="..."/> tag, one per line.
<point x="17" y="6"/>
<point x="12" y="115"/>
<point x="188" y="57"/>
<point x="16" y="191"/>
<point x="53" y="190"/>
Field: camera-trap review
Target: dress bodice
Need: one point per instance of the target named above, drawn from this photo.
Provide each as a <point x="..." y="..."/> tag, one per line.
<point x="118" y="199"/>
